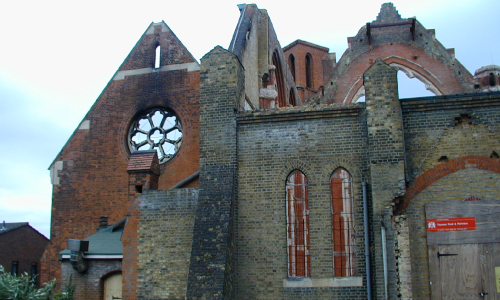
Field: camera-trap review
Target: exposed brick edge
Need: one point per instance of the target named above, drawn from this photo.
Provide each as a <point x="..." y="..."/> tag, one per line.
<point x="460" y="163"/>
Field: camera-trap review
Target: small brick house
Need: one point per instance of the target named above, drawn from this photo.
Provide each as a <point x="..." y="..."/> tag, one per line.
<point x="257" y="174"/>
<point x="21" y="249"/>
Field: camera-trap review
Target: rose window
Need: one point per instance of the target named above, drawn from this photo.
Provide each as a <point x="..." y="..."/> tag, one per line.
<point x="158" y="129"/>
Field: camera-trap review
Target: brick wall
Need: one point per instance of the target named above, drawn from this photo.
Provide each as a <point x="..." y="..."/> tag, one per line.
<point x="94" y="160"/>
<point x="165" y="235"/>
<point x="421" y="53"/>
<point x="458" y="186"/>
<point x="300" y="49"/>
<point x="451" y="143"/>
<point x="89" y="285"/>
<point x="386" y="156"/>
<point x="271" y="145"/>
<point x="24" y="245"/>
<point x="221" y="88"/>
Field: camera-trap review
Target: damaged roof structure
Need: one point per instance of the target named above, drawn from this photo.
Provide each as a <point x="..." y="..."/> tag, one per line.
<point x="270" y="172"/>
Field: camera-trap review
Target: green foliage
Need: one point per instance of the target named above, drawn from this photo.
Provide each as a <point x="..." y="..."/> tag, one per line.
<point x="23" y="288"/>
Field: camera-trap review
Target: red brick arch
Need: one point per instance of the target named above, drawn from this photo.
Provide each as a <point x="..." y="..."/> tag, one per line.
<point x="426" y="65"/>
<point x="446" y="168"/>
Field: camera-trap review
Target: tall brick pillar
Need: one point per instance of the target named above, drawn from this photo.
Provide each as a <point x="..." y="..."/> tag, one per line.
<point x="221" y="87"/>
<point x="387" y="164"/>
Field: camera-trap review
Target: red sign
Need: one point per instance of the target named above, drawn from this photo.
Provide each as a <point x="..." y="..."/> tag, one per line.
<point x="452" y="224"/>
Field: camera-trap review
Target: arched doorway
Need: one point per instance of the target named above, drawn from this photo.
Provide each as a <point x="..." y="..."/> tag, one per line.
<point x="113" y="286"/>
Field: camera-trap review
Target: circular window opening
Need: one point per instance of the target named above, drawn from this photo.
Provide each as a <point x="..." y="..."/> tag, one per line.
<point x="158" y="129"/>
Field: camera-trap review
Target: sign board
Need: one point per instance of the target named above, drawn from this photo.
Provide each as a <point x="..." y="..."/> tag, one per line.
<point x="451" y="224"/>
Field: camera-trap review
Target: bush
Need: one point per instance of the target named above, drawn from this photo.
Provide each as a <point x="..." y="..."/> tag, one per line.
<point x="23" y="288"/>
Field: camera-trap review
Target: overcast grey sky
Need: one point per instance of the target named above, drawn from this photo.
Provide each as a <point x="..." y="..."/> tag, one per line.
<point x="57" y="56"/>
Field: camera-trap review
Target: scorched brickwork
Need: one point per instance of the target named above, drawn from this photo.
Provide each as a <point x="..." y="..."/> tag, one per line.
<point x="284" y="185"/>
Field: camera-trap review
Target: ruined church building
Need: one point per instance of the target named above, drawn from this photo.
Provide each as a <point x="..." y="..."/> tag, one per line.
<point x="281" y="173"/>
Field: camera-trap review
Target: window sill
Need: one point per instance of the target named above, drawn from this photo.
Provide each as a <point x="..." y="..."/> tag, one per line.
<point x="307" y="282"/>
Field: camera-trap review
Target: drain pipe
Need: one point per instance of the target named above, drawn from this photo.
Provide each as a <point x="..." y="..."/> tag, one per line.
<point x="384" y="258"/>
<point x="367" y="244"/>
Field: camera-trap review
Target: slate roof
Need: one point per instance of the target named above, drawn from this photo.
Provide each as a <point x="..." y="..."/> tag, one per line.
<point x="6" y="227"/>
<point x="106" y="241"/>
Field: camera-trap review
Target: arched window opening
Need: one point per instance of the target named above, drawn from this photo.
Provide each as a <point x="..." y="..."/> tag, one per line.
<point x="493" y="80"/>
<point x="410" y="86"/>
<point x="281" y="99"/>
<point x="297" y="206"/>
<point x="293" y="100"/>
<point x="344" y="262"/>
<point x="157" y="57"/>
<point x="291" y="62"/>
<point x="308" y="70"/>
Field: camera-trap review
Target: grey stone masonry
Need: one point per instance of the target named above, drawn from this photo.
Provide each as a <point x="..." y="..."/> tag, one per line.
<point x="221" y="87"/>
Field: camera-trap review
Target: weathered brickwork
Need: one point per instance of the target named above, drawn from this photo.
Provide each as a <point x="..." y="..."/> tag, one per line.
<point x="459" y="186"/>
<point x="225" y="235"/>
<point x="420" y="54"/>
<point x="222" y="87"/>
<point x="403" y="257"/>
<point x="95" y="159"/>
<point x="165" y="234"/>
<point x="468" y="126"/>
<point x="295" y="55"/>
<point x="451" y="144"/>
<point x="89" y="285"/>
<point x="386" y="153"/>
<point x="22" y="244"/>
<point x="271" y="146"/>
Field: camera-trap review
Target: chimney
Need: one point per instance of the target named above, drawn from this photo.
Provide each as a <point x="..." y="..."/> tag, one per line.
<point x="103" y="222"/>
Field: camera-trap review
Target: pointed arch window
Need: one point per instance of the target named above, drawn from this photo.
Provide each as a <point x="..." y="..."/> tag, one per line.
<point x="157" y="57"/>
<point x="297" y="205"/>
<point x="291" y="62"/>
<point x="309" y="70"/>
<point x="492" y="78"/>
<point x="344" y="263"/>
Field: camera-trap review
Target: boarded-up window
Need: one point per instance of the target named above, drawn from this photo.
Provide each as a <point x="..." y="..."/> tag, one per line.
<point x="297" y="205"/>
<point x="344" y="263"/>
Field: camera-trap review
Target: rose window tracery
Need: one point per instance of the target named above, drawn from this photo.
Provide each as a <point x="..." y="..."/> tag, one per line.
<point x="158" y="129"/>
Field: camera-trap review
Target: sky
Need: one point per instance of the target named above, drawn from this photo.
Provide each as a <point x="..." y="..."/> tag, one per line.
<point x="56" y="57"/>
